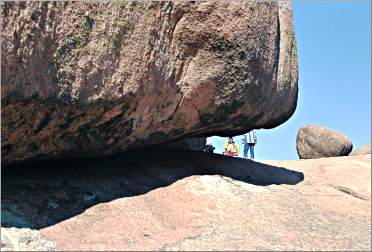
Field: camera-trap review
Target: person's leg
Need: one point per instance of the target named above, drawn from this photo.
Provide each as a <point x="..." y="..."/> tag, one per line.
<point x="248" y="150"/>
<point x="245" y="151"/>
<point x="252" y="150"/>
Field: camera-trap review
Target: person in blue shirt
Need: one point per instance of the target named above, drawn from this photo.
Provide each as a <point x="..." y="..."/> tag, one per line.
<point x="249" y="141"/>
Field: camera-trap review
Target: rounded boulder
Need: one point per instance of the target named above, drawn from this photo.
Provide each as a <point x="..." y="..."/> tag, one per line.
<point x="318" y="142"/>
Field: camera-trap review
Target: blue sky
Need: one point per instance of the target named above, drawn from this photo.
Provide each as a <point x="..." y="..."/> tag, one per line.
<point x="334" y="56"/>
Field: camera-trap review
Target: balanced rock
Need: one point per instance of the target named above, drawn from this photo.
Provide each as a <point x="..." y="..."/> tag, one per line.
<point x="86" y="79"/>
<point x="317" y="142"/>
<point x="364" y="150"/>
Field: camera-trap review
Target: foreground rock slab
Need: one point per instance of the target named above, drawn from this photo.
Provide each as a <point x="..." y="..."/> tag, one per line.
<point x="314" y="141"/>
<point x="195" y="201"/>
<point x="92" y="79"/>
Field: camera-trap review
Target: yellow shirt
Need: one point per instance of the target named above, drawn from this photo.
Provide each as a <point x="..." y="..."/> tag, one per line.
<point x="231" y="147"/>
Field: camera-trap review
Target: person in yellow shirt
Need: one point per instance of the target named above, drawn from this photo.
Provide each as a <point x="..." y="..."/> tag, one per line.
<point x="230" y="148"/>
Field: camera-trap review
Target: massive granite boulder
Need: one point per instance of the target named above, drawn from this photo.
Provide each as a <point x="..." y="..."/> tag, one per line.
<point x="364" y="150"/>
<point x="317" y="142"/>
<point x="193" y="143"/>
<point x="89" y="79"/>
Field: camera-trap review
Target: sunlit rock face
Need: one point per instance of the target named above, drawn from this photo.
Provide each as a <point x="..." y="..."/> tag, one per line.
<point x="93" y="79"/>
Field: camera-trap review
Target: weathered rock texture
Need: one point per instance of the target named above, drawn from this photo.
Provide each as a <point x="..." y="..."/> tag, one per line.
<point x="316" y="142"/>
<point x="364" y="150"/>
<point x="90" y="79"/>
<point x="145" y="200"/>
<point x="194" y="143"/>
<point x="24" y="239"/>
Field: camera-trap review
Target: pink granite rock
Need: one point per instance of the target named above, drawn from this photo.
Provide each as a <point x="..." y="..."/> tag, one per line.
<point x="314" y="141"/>
<point x="92" y="79"/>
<point x="364" y="150"/>
<point x="191" y="200"/>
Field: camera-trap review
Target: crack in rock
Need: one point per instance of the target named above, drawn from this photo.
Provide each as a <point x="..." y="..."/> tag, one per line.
<point x="350" y="192"/>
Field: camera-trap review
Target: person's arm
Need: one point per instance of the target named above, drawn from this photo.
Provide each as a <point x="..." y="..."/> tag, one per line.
<point x="236" y="148"/>
<point x="254" y="138"/>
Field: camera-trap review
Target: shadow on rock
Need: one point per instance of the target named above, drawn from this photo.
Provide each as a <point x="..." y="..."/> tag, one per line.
<point x="42" y="194"/>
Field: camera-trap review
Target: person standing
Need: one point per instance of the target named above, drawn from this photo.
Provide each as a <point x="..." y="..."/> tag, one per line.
<point x="249" y="141"/>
